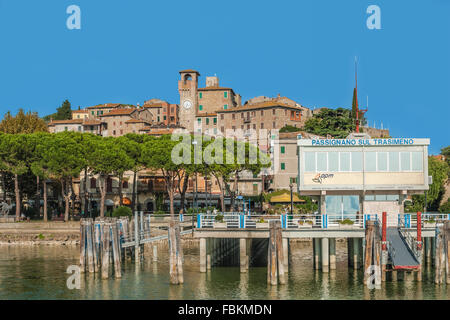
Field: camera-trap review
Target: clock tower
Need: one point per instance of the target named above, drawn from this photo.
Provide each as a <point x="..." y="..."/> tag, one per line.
<point x="187" y="88"/>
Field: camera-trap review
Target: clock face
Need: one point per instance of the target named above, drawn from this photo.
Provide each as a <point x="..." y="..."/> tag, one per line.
<point x="187" y="104"/>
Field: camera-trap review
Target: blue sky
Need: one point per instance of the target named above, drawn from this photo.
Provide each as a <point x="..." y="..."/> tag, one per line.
<point x="130" y="51"/>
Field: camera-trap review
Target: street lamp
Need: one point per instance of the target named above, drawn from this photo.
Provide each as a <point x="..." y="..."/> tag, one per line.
<point x="291" y="186"/>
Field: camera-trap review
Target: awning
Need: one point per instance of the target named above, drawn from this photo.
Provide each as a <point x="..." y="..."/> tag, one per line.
<point x="126" y="201"/>
<point x="285" y="198"/>
<point x="109" y="202"/>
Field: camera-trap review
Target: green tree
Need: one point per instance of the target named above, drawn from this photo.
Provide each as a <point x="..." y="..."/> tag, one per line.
<point x="14" y="152"/>
<point x="106" y="160"/>
<point x="289" y="128"/>
<point x="64" y="160"/>
<point x="64" y="112"/>
<point x="337" y="123"/>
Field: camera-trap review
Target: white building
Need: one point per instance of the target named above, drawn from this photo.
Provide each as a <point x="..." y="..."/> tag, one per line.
<point x="362" y="175"/>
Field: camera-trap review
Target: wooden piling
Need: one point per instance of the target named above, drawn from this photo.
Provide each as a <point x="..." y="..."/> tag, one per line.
<point x="155" y="253"/>
<point x="173" y="257"/>
<point x="96" y="236"/>
<point x="369" y="237"/>
<point x="447" y="250"/>
<point x="105" y="253"/>
<point x="90" y="246"/>
<point x="115" y="250"/>
<point x="82" y="246"/>
<point x="179" y="252"/>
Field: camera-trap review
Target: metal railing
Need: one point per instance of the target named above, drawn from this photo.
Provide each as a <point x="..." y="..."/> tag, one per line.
<point x="410" y="240"/>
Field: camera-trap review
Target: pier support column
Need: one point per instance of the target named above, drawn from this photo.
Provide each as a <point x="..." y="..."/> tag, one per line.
<point x="332" y="253"/>
<point x="355" y="253"/>
<point x="286" y="254"/>
<point x="428" y="250"/>
<point x="325" y="255"/>
<point x="243" y="254"/>
<point x="202" y="254"/>
<point x="394" y="275"/>
<point x="350" y="252"/>
<point x="317" y="253"/>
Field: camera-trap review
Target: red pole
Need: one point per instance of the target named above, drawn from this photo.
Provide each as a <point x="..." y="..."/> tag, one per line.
<point x="383" y="231"/>
<point x="419" y="230"/>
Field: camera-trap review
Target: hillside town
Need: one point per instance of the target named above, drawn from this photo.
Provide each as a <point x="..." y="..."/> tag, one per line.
<point x="213" y="110"/>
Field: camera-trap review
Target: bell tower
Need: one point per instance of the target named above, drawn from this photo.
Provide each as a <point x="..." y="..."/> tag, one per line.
<point x="187" y="87"/>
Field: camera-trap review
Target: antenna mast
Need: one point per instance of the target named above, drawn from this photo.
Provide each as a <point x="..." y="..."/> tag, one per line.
<point x="358" y="111"/>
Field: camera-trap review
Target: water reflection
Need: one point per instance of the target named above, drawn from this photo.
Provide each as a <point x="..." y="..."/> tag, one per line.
<point x="40" y="273"/>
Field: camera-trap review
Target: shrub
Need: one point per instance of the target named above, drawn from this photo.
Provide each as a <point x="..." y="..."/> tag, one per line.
<point x="346" y="221"/>
<point x="219" y="218"/>
<point x="445" y="207"/>
<point x="122" y="212"/>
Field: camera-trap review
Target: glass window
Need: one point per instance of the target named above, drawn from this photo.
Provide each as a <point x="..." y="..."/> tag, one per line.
<point x="333" y="161"/>
<point x="200" y="107"/>
<point x="322" y="161"/>
<point x="392" y="197"/>
<point x="382" y="161"/>
<point x="310" y="161"/>
<point x="344" y="161"/>
<point x="215" y="120"/>
<point x="225" y="94"/>
<point x="394" y="164"/>
<point x="225" y="107"/>
<point x="405" y="161"/>
<point x="283" y="166"/>
<point x="417" y="161"/>
<point x="199" y="120"/>
<point x="370" y="198"/>
<point x="370" y="159"/>
<point x="357" y="161"/>
<point x="380" y="197"/>
<point x="207" y="121"/>
<point x="283" y="149"/>
<point x="200" y="95"/>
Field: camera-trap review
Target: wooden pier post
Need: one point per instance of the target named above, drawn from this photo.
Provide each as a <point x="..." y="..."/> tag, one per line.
<point x="115" y="250"/>
<point x="90" y="246"/>
<point x="95" y="246"/>
<point x="179" y="252"/>
<point x="332" y="253"/>
<point x="447" y="250"/>
<point x="82" y="245"/>
<point x="137" y="247"/>
<point x="369" y="238"/>
<point x="105" y="248"/>
<point x="438" y="249"/>
<point x="317" y="253"/>
<point x="350" y="252"/>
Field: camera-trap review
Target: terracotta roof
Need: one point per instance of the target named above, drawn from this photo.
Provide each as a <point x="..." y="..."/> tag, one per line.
<point x="119" y="112"/>
<point x="71" y="121"/>
<point x="160" y="132"/>
<point x="153" y="105"/>
<point x="92" y="123"/>
<point x="262" y="105"/>
<point x="189" y="71"/>
<point x="214" y="88"/>
<point x="136" y="121"/>
<point x="80" y="111"/>
<point x="105" y="105"/>
<point x="207" y="115"/>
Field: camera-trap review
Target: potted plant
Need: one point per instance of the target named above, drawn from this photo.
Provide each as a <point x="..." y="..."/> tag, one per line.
<point x="346" y="224"/>
<point x="305" y="224"/>
<point x="262" y="224"/>
<point x="218" y="221"/>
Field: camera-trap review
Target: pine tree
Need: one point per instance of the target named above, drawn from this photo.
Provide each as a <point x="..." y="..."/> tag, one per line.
<point x="64" y="112"/>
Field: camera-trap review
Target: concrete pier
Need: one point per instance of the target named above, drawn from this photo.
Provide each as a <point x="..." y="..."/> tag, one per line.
<point x="202" y="254"/>
<point x="325" y="255"/>
<point x="243" y="255"/>
<point x="286" y="254"/>
<point x="356" y="253"/>
<point x="317" y="253"/>
<point x="332" y="254"/>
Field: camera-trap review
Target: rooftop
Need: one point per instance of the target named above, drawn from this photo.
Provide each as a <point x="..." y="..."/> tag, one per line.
<point x="262" y="105"/>
<point x="119" y="112"/>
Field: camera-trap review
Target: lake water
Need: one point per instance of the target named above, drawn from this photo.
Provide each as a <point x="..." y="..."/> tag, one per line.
<point x="40" y="273"/>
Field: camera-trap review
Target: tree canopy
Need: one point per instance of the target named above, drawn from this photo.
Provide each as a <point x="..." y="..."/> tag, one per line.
<point x="22" y="123"/>
<point x="337" y="123"/>
<point x="64" y="112"/>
